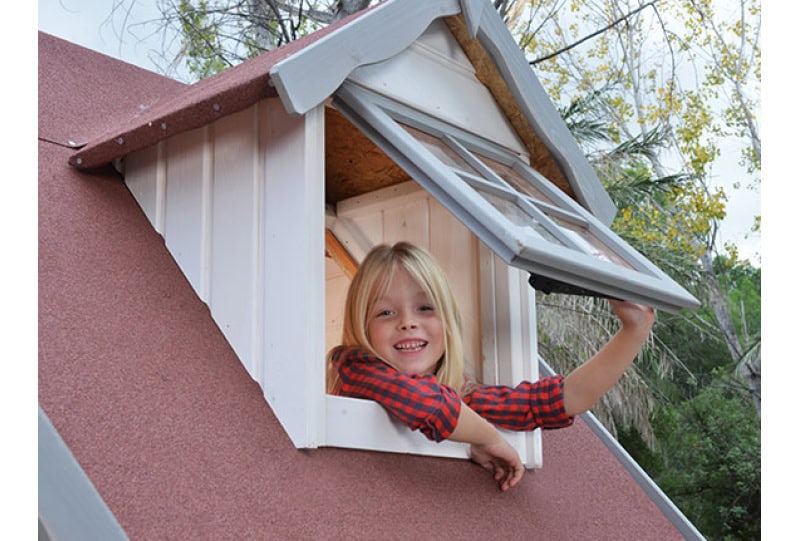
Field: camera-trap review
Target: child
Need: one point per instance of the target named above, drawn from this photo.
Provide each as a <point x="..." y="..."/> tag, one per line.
<point x="401" y="346"/>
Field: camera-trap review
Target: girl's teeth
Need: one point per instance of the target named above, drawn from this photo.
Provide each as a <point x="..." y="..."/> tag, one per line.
<point x="410" y="346"/>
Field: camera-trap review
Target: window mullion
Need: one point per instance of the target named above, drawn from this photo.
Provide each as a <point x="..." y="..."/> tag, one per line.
<point x="476" y="163"/>
<point x="558" y="212"/>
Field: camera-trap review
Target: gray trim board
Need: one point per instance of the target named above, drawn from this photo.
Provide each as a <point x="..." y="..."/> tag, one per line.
<point x="69" y="505"/>
<point x="653" y="491"/>
<point x="472" y="10"/>
<point x="309" y="77"/>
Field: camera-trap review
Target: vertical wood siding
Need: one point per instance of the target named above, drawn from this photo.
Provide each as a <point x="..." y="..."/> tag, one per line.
<point x="240" y="205"/>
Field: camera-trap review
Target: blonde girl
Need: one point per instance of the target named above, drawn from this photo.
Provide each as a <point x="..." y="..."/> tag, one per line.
<point x="402" y="347"/>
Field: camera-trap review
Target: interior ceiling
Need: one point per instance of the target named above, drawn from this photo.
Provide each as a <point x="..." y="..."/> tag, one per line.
<point x="353" y="164"/>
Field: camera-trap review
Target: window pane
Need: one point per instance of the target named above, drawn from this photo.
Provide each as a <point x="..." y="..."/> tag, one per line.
<point x="589" y="242"/>
<point x="440" y="149"/>
<point x="517" y="215"/>
<point x="515" y="179"/>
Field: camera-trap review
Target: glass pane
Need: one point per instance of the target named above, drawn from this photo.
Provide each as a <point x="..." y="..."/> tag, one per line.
<point x="440" y="149"/>
<point x="517" y="215"/>
<point x="589" y="242"/>
<point x="515" y="179"/>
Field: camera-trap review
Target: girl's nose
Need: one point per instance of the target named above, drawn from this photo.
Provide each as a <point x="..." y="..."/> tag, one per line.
<point x="407" y="322"/>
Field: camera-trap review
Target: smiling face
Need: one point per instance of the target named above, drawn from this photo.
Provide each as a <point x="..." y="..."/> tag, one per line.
<point x="404" y="328"/>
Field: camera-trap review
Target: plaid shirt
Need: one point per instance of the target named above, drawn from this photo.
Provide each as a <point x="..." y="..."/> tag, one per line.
<point x="422" y="403"/>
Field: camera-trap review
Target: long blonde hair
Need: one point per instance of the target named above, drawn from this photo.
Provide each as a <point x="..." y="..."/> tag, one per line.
<point x="370" y="283"/>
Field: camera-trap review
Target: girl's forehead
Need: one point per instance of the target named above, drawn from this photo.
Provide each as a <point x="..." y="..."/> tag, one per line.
<point x="400" y="280"/>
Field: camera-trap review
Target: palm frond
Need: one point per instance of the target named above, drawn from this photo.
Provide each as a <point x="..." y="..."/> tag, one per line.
<point x="645" y="145"/>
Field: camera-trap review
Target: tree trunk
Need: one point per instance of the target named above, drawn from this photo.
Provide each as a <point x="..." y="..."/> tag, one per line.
<point x="748" y="364"/>
<point x="721" y="310"/>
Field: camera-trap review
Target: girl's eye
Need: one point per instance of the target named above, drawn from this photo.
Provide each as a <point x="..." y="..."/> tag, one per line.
<point x="426" y="308"/>
<point x="383" y="313"/>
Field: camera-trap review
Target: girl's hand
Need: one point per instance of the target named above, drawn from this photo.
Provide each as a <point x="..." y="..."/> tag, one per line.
<point x="633" y="316"/>
<point x="501" y="459"/>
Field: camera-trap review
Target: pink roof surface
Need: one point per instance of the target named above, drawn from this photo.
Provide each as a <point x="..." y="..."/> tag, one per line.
<point x="176" y="436"/>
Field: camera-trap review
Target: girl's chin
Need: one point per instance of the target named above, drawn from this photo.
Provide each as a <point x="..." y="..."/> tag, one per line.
<point x="417" y="368"/>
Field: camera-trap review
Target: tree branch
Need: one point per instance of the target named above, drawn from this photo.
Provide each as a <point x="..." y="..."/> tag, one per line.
<point x="593" y="34"/>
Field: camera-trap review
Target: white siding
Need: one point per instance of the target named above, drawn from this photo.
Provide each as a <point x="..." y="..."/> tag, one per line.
<point x="184" y="224"/>
<point x="240" y="204"/>
<point x="234" y="219"/>
<point x="294" y="263"/>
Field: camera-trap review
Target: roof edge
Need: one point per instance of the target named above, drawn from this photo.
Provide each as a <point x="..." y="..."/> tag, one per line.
<point x="172" y="118"/>
<point x="653" y="491"/>
<point x="207" y="100"/>
<point x="308" y="78"/>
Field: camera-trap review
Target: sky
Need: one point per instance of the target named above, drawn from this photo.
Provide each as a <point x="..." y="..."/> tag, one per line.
<point x="86" y="22"/>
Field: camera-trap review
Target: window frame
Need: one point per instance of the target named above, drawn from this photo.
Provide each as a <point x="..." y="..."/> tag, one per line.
<point x="381" y="119"/>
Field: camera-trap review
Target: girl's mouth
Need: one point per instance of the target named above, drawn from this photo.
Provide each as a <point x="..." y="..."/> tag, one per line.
<point x="410" y="346"/>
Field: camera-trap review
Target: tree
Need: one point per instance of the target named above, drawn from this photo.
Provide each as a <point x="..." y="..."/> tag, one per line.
<point x="713" y="471"/>
<point x="213" y="35"/>
<point x="659" y="71"/>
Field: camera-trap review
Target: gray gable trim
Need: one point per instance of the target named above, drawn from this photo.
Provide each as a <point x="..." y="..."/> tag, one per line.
<point x="308" y="78"/>
<point x="472" y="10"/>
<point x="69" y="505"/>
<point x="535" y="104"/>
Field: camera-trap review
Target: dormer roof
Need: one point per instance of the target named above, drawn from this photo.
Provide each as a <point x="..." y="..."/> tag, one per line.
<point x="306" y="72"/>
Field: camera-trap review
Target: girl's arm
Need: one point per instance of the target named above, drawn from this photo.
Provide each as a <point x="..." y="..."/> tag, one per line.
<point x="436" y="410"/>
<point x="488" y="448"/>
<point x="587" y="383"/>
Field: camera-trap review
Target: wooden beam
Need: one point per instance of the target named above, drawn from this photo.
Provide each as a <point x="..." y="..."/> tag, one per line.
<point x="336" y="251"/>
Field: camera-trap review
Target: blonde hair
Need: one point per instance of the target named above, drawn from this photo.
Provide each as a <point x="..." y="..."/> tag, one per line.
<point x="370" y="283"/>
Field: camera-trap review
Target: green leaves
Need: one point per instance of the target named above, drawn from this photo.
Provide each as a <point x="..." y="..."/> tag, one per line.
<point x="713" y="470"/>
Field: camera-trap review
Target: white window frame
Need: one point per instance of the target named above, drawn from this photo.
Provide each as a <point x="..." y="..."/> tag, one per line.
<point x="567" y="261"/>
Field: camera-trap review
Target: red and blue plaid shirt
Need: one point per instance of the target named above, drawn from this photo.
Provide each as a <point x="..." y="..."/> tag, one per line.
<point x="422" y="403"/>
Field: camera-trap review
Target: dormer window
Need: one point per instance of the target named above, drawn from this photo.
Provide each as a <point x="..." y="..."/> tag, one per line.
<point x="246" y="202"/>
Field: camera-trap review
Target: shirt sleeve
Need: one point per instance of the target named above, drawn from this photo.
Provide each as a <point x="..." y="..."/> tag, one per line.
<point x="525" y="407"/>
<point x="418" y="401"/>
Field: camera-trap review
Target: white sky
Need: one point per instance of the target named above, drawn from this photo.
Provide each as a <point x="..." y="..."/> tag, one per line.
<point x="112" y="27"/>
